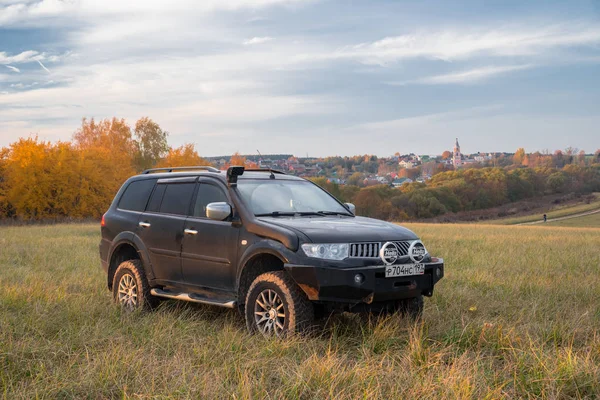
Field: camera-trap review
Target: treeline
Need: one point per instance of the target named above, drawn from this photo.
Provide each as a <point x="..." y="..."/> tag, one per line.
<point x="78" y="179"/>
<point x="465" y="190"/>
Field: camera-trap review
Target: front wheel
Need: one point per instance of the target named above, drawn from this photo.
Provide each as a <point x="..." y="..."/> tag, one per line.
<point x="275" y="306"/>
<point x="412" y="308"/>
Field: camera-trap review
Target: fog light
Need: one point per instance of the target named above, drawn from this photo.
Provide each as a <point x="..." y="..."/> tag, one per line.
<point x="438" y="272"/>
<point x="359" y="278"/>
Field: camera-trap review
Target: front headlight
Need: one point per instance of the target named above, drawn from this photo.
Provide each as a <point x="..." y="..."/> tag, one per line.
<point x="327" y="251"/>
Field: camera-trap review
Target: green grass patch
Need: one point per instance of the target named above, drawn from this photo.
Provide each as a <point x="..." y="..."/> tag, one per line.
<point x="584" y="221"/>
<point x="557" y="212"/>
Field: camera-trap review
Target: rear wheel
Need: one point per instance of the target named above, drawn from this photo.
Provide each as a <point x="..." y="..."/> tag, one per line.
<point x="275" y="306"/>
<point x="130" y="287"/>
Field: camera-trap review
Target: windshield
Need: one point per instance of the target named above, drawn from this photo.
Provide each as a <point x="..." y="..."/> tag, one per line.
<point x="287" y="197"/>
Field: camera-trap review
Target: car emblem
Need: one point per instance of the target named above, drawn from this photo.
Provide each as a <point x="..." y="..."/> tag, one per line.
<point x="417" y="251"/>
<point x="389" y="253"/>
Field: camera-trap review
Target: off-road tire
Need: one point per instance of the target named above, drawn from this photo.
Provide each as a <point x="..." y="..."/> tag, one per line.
<point x="412" y="308"/>
<point x="135" y="269"/>
<point x="299" y="311"/>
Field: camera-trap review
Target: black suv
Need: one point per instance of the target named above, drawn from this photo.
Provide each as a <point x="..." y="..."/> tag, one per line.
<point x="277" y="247"/>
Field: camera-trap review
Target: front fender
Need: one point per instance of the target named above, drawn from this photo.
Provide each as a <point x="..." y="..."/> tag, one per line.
<point x="266" y="246"/>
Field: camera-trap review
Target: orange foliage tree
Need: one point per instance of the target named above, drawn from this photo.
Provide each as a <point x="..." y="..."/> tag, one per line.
<point x="41" y="180"/>
<point x="182" y="156"/>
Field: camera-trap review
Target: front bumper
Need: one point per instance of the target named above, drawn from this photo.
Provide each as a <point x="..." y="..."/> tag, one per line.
<point x="335" y="284"/>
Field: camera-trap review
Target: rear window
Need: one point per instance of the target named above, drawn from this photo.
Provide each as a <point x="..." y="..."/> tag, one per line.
<point x="136" y="195"/>
<point x="156" y="199"/>
<point x="177" y="198"/>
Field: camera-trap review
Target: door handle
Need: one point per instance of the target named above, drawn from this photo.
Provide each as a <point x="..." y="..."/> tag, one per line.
<point x="190" y="231"/>
<point x="144" y="224"/>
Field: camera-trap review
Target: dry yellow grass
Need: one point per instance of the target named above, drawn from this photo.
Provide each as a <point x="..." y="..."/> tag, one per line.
<point x="517" y="315"/>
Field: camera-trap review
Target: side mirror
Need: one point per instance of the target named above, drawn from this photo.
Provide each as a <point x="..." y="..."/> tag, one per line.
<point x="218" y="211"/>
<point x="350" y="207"/>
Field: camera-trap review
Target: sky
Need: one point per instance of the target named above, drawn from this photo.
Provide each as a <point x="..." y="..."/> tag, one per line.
<point x="308" y="77"/>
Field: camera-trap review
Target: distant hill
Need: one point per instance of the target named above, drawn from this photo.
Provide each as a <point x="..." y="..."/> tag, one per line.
<point x="254" y="157"/>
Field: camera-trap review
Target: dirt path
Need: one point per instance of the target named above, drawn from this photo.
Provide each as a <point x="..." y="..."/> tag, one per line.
<point x="541" y="221"/>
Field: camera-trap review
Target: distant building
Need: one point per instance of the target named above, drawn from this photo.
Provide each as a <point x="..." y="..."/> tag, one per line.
<point x="401" y="181"/>
<point x="457" y="160"/>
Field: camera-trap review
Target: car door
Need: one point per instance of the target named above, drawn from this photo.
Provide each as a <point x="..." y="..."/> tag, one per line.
<point x="209" y="247"/>
<point x="161" y="226"/>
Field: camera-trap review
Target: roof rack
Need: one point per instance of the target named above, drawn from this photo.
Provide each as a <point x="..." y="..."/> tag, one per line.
<point x="175" y="169"/>
<point x="273" y="171"/>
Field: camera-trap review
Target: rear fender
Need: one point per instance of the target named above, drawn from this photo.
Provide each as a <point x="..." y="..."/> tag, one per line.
<point x="134" y="240"/>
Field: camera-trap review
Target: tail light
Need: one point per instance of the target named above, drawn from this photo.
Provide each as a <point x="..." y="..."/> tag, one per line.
<point x="102" y="221"/>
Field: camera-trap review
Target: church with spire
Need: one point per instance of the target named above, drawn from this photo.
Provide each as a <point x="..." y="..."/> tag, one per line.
<point x="457" y="159"/>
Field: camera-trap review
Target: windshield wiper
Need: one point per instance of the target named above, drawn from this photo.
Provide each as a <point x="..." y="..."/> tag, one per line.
<point x="290" y="214"/>
<point x="334" y="213"/>
<point x="277" y="214"/>
<point x="302" y="213"/>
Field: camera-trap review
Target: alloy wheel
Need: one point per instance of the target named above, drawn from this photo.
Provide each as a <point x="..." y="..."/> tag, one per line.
<point x="128" y="292"/>
<point x="269" y="313"/>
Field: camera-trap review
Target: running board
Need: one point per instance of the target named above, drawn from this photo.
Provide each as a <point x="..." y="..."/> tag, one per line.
<point x="194" y="298"/>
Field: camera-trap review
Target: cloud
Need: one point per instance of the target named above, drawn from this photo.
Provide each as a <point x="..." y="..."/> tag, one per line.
<point x="258" y="40"/>
<point x="460" y="44"/>
<point x="24" y="57"/>
<point x="209" y="67"/>
<point x="15" y="69"/>
<point x="466" y="77"/>
<point x="53" y="12"/>
<point x="43" y="66"/>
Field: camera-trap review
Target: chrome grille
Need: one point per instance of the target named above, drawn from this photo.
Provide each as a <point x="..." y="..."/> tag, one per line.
<point x="364" y="250"/>
<point x="371" y="249"/>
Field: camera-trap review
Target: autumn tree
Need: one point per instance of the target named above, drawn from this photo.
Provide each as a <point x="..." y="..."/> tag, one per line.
<point x="112" y="135"/>
<point x="356" y="179"/>
<point x="183" y="156"/>
<point x="581" y="158"/>
<point x="151" y="142"/>
<point x="519" y="156"/>
<point x="446" y="155"/>
<point x="237" y="159"/>
<point x="5" y="207"/>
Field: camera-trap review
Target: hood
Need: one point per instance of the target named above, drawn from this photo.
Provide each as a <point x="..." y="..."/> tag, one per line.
<point x="343" y="229"/>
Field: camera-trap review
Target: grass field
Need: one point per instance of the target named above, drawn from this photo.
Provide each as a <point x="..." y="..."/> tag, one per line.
<point x="557" y="212"/>
<point x="517" y="316"/>
<point x="589" y="221"/>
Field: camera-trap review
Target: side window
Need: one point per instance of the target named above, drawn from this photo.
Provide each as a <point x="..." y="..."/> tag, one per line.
<point x="136" y="195"/>
<point x="156" y="198"/>
<point x="177" y="198"/>
<point x="207" y="193"/>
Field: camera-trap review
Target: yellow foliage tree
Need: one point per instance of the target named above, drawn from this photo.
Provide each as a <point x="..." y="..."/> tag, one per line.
<point x="237" y="159"/>
<point x="182" y="156"/>
<point x="519" y="156"/>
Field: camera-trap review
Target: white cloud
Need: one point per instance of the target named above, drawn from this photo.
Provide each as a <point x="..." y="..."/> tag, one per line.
<point x="182" y="63"/>
<point x="15" y="69"/>
<point x="258" y="40"/>
<point x="466" y="77"/>
<point x="44" y="11"/>
<point x="24" y="57"/>
<point x="460" y="44"/>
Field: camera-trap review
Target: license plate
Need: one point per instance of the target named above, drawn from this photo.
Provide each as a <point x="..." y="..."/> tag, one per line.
<point x="393" y="271"/>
